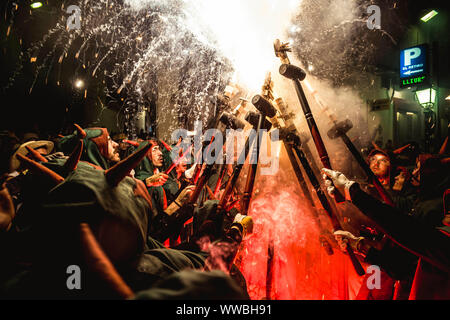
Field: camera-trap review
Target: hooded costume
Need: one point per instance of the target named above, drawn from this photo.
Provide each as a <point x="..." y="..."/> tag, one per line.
<point x="416" y="231"/>
<point x="396" y="263"/>
<point x="195" y="285"/>
<point x="163" y="195"/>
<point x="95" y="143"/>
<point x="118" y="210"/>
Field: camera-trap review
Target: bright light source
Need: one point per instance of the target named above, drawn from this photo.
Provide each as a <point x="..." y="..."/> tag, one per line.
<point x="36" y="5"/>
<point x="410" y="113"/>
<point x="426" y="97"/>
<point x="310" y="68"/>
<point x="448" y="98"/>
<point x="79" y="84"/>
<point x="429" y="15"/>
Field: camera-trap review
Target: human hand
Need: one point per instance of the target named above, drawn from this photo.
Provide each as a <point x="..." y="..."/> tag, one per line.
<point x="185" y="195"/>
<point x="337" y="178"/>
<point x="345" y="238"/>
<point x="156" y="180"/>
<point x="180" y="201"/>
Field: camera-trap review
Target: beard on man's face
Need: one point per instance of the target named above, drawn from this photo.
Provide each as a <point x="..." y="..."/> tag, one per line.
<point x="114" y="157"/>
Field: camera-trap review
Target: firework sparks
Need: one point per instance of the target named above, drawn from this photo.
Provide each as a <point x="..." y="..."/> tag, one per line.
<point x="178" y="52"/>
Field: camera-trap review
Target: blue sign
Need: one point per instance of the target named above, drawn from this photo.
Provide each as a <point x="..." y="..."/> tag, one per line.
<point x="413" y="61"/>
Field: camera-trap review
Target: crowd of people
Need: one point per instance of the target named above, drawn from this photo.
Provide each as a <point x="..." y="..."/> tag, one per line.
<point x="84" y="199"/>
<point x="141" y="224"/>
<point x="410" y="241"/>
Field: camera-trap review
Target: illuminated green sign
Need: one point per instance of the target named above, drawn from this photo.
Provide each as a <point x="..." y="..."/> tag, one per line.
<point x="413" y="81"/>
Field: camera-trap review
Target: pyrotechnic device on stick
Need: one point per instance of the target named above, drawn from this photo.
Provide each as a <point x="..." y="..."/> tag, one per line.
<point x="231" y="121"/>
<point x="297" y="76"/>
<point x="292" y="142"/>
<point x="339" y="130"/>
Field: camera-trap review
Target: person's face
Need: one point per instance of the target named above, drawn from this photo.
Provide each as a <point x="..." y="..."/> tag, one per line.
<point x="157" y="158"/>
<point x="379" y="164"/>
<point x="399" y="182"/>
<point x="113" y="153"/>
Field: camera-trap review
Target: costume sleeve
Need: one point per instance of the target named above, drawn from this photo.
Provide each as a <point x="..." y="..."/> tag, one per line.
<point x="398" y="263"/>
<point x="424" y="241"/>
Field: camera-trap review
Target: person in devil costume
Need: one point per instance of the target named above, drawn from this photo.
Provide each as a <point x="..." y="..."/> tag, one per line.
<point x="383" y="164"/>
<point x="417" y="230"/>
<point x="97" y="220"/>
<point x="98" y="147"/>
<point x="164" y="189"/>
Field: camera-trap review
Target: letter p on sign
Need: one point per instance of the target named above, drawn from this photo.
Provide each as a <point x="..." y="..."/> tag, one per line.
<point x="410" y="54"/>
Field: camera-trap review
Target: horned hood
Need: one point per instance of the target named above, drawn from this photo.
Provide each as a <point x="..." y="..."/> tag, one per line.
<point x="95" y="146"/>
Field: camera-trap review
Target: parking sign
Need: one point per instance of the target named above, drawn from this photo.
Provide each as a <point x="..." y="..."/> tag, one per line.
<point x="414" y="66"/>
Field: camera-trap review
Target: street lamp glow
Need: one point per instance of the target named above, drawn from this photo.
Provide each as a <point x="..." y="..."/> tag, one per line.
<point x="429" y="15"/>
<point x="79" y="84"/>
<point x="426" y="97"/>
<point x="36" y="5"/>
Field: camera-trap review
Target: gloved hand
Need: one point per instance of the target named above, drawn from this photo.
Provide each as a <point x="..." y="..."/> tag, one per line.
<point x="56" y="155"/>
<point x="345" y="238"/>
<point x="339" y="180"/>
<point x="7" y="210"/>
<point x="185" y="195"/>
<point x="246" y="222"/>
<point x="156" y="180"/>
<point x="181" y="200"/>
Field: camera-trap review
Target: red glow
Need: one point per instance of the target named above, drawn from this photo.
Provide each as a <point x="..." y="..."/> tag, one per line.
<point x="301" y="267"/>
